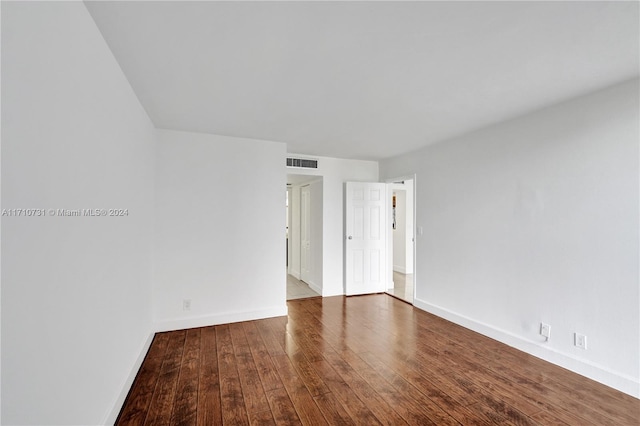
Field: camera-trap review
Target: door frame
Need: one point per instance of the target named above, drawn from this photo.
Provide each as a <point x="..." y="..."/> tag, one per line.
<point x="305" y="234"/>
<point x="295" y="183"/>
<point x="389" y="183"/>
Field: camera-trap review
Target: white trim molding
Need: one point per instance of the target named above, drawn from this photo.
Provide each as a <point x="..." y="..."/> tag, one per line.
<point x="112" y="416"/>
<point x="599" y="373"/>
<point x="313" y="286"/>
<point x="223" y="318"/>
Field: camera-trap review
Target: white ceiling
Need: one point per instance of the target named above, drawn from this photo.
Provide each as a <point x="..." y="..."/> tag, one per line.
<point x="365" y="80"/>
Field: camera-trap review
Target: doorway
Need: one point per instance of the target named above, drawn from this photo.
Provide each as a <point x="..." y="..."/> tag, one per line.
<point x="402" y="240"/>
<point x="304" y="236"/>
<point x="379" y="238"/>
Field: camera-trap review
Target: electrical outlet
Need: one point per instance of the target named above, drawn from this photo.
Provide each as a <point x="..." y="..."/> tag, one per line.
<point x="186" y="304"/>
<point x="545" y="330"/>
<point x="580" y="340"/>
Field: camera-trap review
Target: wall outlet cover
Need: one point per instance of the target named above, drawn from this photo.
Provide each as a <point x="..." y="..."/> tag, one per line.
<point x="580" y="340"/>
<point x="545" y="330"/>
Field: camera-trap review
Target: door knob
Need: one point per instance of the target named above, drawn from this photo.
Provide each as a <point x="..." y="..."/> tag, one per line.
<point x="350" y="237"/>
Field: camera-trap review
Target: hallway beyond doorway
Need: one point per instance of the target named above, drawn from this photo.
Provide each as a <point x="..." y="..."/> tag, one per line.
<point x="297" y="289"/>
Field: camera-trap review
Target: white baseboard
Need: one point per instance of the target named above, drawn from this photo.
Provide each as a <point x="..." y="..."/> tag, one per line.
<point x="225" y="318"/>
<point x="295" y="274"/>
<point x="112" y="416"/>
<point x="313" y="286"/>
<point x="599" y="373"/>
<point x="400" y="269"/>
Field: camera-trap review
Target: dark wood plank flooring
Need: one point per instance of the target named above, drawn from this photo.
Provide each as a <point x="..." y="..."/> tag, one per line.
<point x="364" y="360"/>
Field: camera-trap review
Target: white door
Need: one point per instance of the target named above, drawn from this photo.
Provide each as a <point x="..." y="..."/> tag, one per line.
<point x="365" y="239"/>
<point x="305" y="234"/>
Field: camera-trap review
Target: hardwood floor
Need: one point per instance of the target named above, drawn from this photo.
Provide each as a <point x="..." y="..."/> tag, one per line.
<point x="359" y="360"/>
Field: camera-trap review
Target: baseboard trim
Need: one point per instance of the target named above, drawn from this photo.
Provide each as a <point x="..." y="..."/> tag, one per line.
<point x="295" y="274"/>
<point x="112" y="416"/>
<point x="313" y="286"/>
<point x="593" y="371"/>
<point x="226" y="318"/>
<point x="399" y="269"/>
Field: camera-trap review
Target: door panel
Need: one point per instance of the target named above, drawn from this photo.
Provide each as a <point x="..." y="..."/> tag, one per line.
<point x="375" y="265"/>
<point x="358" y="266"/>
<point x="365" y="239"/>
<point x="374" y="222"/>
<point x="358" y="222"/>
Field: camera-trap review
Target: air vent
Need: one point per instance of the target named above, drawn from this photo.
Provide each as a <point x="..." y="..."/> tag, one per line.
<point x="304" y="163"/>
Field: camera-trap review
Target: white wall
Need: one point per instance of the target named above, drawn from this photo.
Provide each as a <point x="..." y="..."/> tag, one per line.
<point x="536" y="219"/>
<point x="219" y="235"/>
<point x="335" y="172"/>
<point x="76" y="300"/>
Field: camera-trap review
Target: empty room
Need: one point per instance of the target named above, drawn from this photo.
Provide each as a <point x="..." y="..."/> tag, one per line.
<point x="453" y="188"/>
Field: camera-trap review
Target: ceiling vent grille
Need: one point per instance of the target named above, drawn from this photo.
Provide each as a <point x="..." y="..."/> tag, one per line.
<point x="304" y="163"/>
